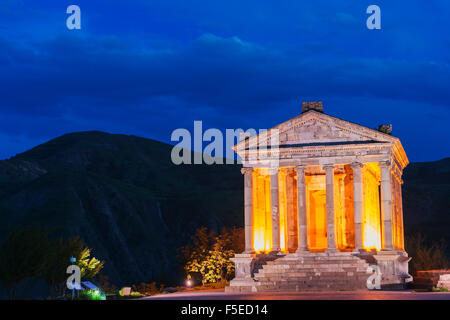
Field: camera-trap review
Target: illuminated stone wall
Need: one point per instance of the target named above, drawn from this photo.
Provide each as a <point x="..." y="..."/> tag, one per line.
<point x="292" y="210"/>
<point x="343" y="206"/>
<point x="262" y="217"/>
<point x="371" y="213"/>
<point x="397" y="216"/>
<point x="287" y="184"/>
<point x="316" y="216"/>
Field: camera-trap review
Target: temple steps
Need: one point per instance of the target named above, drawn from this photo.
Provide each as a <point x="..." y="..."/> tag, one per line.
<point x="311" y="273"/>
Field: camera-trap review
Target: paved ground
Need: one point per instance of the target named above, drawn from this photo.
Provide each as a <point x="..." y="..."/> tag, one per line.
<point x="340" y="295"/>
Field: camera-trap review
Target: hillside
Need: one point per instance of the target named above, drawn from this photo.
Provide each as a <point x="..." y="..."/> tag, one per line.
<point x="426" y="199"/>
<point x="126" y="199"/>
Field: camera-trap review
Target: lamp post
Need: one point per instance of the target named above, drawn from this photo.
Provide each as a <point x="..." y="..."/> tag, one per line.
<point x="73" y="260"/>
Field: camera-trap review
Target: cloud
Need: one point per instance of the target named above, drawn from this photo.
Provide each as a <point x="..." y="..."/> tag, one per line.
<point x="346" y="19"/>
<point x="228" y="73"/>
<point x="224" y="65"/>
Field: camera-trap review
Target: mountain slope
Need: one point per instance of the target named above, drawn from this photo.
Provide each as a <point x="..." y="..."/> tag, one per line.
<point x="426" y="199"/>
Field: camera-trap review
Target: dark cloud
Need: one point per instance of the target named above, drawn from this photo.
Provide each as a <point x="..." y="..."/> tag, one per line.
<point x="223" y="65"/>
<point x="216" y="71"/>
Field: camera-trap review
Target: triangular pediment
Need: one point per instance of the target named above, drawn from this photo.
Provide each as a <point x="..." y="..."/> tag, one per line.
<point x="318" y="128"/>
<point x="313" y="129"/>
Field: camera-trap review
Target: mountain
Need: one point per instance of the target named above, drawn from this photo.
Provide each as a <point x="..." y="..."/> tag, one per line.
<point x="123" y="196"/>
<point x="126" y="199"/>
<point x="426" y="200"/>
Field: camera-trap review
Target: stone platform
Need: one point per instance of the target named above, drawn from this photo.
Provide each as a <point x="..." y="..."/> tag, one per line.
<point x="432" y="278"/>
<point x="310" y="272"/>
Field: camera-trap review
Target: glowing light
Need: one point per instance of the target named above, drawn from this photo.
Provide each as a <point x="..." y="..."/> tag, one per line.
<point x="371" y="213"/>
<point x="372" y="239"/>
<point x="189" y="283"/>
<point x="316" y="212"/>
<point x="262" y="211"/>
<point x="343" y="210"/>
<point x="282" y="188"/>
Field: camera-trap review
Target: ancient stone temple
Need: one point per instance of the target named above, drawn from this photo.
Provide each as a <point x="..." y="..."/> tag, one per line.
<point x="328" y="207"/>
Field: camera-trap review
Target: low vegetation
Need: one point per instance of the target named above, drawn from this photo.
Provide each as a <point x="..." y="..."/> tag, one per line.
<point x="206" y="259"/>
<point x="426" y="255"/>
<point x="28" y="253"/>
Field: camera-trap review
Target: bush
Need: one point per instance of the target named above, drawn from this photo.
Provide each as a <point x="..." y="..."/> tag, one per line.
<point x="91" y="295"/>
<point x="135" y="294"/>
<point x="434" y="289"/>
<point x="103" y="283"/>
<point x="148" y="289"/>
<point x="425" y="255"/>
<point x="209" y="254"/>
<point x="217" y="285"/>
<point x="23" y="255"/>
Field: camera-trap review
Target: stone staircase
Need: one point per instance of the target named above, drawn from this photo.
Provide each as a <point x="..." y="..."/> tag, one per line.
<point x="309" y="272"/>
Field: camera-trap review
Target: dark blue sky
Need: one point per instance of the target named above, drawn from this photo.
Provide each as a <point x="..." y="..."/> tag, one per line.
<point x="147" y="67"/>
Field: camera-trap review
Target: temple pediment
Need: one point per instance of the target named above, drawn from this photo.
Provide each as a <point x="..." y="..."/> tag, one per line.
<point x="313" y="130"/>
<point x="318" y="128"/>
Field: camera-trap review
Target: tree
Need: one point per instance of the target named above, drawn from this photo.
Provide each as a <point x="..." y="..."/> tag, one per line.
<point x="59" y="257"/>
<point x="89" y="267"/>
<point x="23" y="256"/>
<point x="195" y="252"/>
<point x="61" y="252"/>
<point x="210" y="254"/>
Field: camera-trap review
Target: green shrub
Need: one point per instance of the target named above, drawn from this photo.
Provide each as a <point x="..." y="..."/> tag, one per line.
<point x="434" y="289"/>
<point x="135" y="294"/>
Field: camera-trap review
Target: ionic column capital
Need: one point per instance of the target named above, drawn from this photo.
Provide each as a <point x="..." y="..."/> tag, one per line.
<point x="328" y="167"/>
<point x="273" y="171"/>
<point x="385" y="164"/>
<point x="289" y="170"/>
<point x="356" y="165"/>
<point x="246" y="170"/>
<point x="300" y="169"/>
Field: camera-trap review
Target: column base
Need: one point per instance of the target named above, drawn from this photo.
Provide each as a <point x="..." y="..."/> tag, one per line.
<point x="276" y="252"/>
<point x="302" y="251"/>
<point x="394" y="267"/>
<point x="244" y="263"/>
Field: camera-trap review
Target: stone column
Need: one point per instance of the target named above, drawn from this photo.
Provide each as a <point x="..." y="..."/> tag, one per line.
<point x="400" y="204"/>
<point x="386" y="204"/>
<point x="331" y="237"/>
<point x="358" y="203"/>
<point x="291" y="214"/>
<point x="248" y="209"/>
<point x="301" y="207"/>
<point x="275" y="212"/>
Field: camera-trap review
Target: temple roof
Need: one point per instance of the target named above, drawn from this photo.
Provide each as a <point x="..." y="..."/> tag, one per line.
<point x="317" y="129"/>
